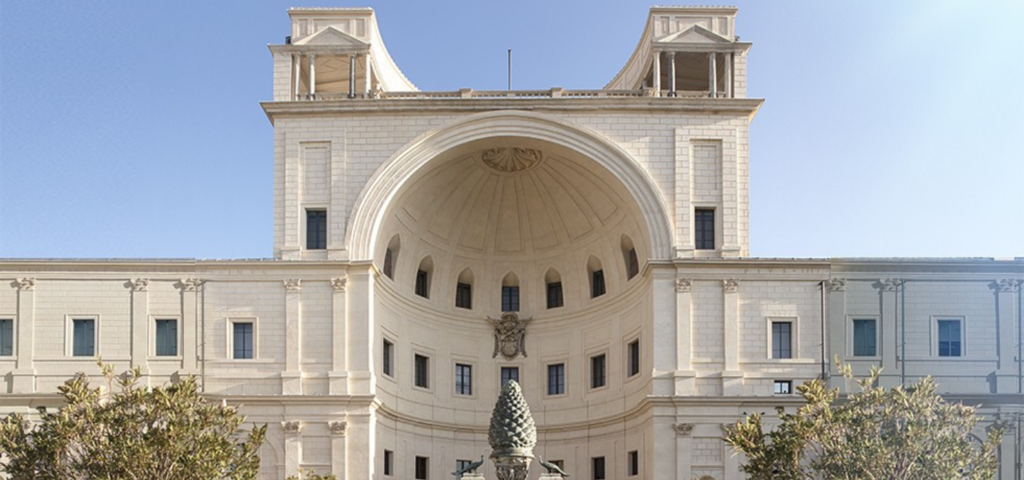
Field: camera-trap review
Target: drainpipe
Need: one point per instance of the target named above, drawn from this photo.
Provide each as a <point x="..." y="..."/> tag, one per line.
<point x="824" y="359"/>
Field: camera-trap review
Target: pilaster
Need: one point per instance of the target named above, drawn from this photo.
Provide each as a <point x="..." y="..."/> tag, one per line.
<point x="683" y="205"/>
<point x="189" y="324"/>
<point x="360" y="338"/>
<point x="836" y="321"/>
<point x="889" y="327"/>
<point x="291" y="377"/>
<point x="292" y="447"/>
<point x="338" y="376"/>
<point x="361" y="443"/>
<point x="685" y="375"/>
<point x="140" y="325"/>
<point x="662" y="336"/>
<point x="1006" y="311"/>
<point x="24" y="374"/>
<point x="684" y="450"/>
<point x="732" y="377"/>
<point x="338" y="448"/>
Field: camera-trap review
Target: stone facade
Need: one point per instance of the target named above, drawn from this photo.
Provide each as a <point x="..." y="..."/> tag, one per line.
<point x="356" y="333"/>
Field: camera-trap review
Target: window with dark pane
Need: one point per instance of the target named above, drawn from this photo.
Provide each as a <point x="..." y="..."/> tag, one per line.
<point x="508" y="374"/>
<point x="461" y="464"/>
<point x="598" y="365"/>
<point x="783" y="387"/>
<point x="6" y="337"/>
<point x="633" y="350"/>
<point x="555" y="299"/>
<point x="166" y="337"/>
<point x="463" y="379"/>
<point x="389" y="263"/>
<point x="84" y="341"/>
<point x="632" y="264"/>
<point x="389" y="462"/>
<point x="421" y="468"/>
<point x="421" y="372"/>
<point x="634" y="463"/>
<point x="704" y="228"/>
<point x="316" y="229"/>
<point x="422" y="283"/>
<point x="597" y="467"/>
<point x="388" y="358"/>
<point x="556" y="379"/>
<point x="597" y="283"/>
<point x="782" y="340"/>
<point x="243" y="340"/>
<point x="865" y="337"/>
<point x="464" y="295"/>
<point x="510" y="299"/>
<point x="950" y="341"/>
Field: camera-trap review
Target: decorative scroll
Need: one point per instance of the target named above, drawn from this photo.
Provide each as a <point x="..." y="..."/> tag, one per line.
<point x="684" y="284"/>
<point x="190" y="284"/>
<point x="293" y="285"/>
<point x="837" y="285"/>
<point x="891" y="284"/>
<point x="511" y="159"/>
<point x="731" y="285"/>
<point x="140" y="285"/>
<point x="338" y="428"/>
<point x="291" y="428"/>
<point x="509" y="335"/>
<point x="26" y="283"/>
<point x="339" y="284"/>
<point x="683" y="429"/>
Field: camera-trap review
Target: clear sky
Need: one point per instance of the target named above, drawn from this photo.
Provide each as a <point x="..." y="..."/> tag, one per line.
<point x="133" y="129"/>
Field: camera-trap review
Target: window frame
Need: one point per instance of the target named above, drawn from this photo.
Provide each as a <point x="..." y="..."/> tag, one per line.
<point x="598" y="468"/>
<point x="633" y="370"/>
<point x="593" y="371"/>
<point x="389" y="463"/>
<point x="633" y="463"/>
<point x="425" y="473"/>
<point x="14" y="336"/>
<point x="417" y="355"/>
<point x="69" y="335"/>
<point x="851" y="344"/>
<point x="468" y="367"/>
<point x="387" y="357"/>
<point x="559" y="289"/>
<point x="563" y="383"/>
<point x="517" y="304"/>
<point x="154" y="337"/>
<point x="788" y="384"/>
<point x="501" y="374"/>
<point x="421" y="286"/>
<point x="935" y="336"/>
<point x="697" y="244"/>
<point x="464" y="291"/>
<point x="794" y="336"/>
<point x="598" y="283"/>
<point x="230" y="334"/>
<point x="305" y="227"/>
<point x="632" y="264"/>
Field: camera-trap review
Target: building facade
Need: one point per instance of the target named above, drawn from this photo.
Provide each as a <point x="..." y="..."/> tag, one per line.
<point x="591" y="244"/>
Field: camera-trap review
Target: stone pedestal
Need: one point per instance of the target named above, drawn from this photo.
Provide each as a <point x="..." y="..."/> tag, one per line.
<point x="550" y="476"/>
<point x="472" y="476"/>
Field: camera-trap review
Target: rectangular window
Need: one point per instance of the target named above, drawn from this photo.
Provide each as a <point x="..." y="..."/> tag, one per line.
<point x="388" y="358"/>
<point x="510" y="299"/>
<point x="389" y="264"/>
<point x="389" y="463"/>
<point x="597" y="464"/>
<point x="316" y="229"/>
<point x="421" y="284"/>
<point x="556" y="379"/>
<point x="508" y="374"/>
<point x="782" y="340"/>
<point x="950" y="339"/>
<point x="634" y="463"/>
<point x="6" y="337"/>
<point x="243" y="340"/>
<point x="865" y="337"/>
<point x="597" y="371"/>
<point x="84" y="341"/>
<point x="463" y="379"/>
<point x="633" y="367"/>
<point x="421" y="467"/>
<point x="632" y="264"/>
<point x="420" y="370"/>
<point x="704" y="228"/>
<point x="166" y="337"/>
<point x="555" y="299"/>
<point x="460" y="464"/>
<point x="783" y="387"/>
<point x="597" y="284"/>
<point x="464" y="295"/>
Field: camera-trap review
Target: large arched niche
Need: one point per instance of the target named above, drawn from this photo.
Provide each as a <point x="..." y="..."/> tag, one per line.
<point x="375" y="201"/>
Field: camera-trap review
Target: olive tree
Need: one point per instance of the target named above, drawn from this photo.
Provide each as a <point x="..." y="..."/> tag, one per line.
<point x="131" y="432"/>
<point x="903" y="433"/>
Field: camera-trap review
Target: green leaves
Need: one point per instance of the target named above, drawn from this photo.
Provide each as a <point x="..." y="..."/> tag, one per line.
<point x="134" y="433"/>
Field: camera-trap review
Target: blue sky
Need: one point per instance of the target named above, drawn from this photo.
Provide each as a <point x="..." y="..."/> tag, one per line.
<point x="132" y="129"/>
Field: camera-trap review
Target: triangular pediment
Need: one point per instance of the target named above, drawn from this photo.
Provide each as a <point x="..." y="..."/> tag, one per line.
<point x="692" y="35"/>
<point x="332" y="36"/>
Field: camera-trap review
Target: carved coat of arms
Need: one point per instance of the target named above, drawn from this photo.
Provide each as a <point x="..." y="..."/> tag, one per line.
<point x="509" y="335"/>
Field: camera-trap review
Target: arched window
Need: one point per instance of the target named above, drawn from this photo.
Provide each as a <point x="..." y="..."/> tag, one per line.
<point x="629" y="256"/>
<point x="464" y="290"/>
<point x="596" y="274"/>
<point x="510" y="293"/>
<point x="391" y="256"/>
<point x="553" y="281"/>
<point x="422" y="287"/>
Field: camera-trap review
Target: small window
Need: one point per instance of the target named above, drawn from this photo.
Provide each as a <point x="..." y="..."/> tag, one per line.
<point x="950" y="338"/>
<point x="389" y="263"/>
<point x="597" y="464"/>
<point x="555" y="298"/>
<point x="558" y="463"/>
<point x="632" y="264"/>
<point x="633" y="367"/>
<point x="84" y="340"/>
<point x="508" y="374"/>
<point x="783" y="387"/>
<point x="388" y="358"/>
<point x="597" y="371"/>
<point x="243" y="344"/>
<point x="422" y="279"/>
<point x="510" y="299"/>
<point x="597" y="283"/>
<point x="421" y="371"/>
<point x="6" y="337"/>
<point x="865" y="337"/>
<point x="704" y="228"/>
<point x="782" y="340"/>
<point x="460" y="464"/>
<point x="463" y="379"/>
<point x="166" y="337"/>
<point x="634" y="463"/>
<point x="389" y="463"/>
<point x="556" y="379"/>
<point x="422" y="464"/>
<point x="463" y="295"/>
<point x="316" y="229"/>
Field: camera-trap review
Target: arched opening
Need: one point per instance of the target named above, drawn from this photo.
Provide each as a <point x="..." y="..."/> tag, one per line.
<point x="629" y="257"/>
<point x="391" y="256"/>
<point x="553" y="287"/>
<point x="595" y="273"/>
<point x="423" y="273"/>
<point x="464" y="289"/>
<point x="510" y="293"/>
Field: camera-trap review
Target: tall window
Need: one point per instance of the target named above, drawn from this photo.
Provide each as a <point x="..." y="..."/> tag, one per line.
<point x="84" y="341"/>
<point x="421" y="371"/>
<point x="634" y="463"/>
<point x="510" y="299"/>
<point x="389" y="263"/>
<point x="463" y="295"/>
<point x="389" y="463"/>
<point x="556" y="379"/>
<point x="388" y="358"/>
<point x="704" y="228"/>
<point x="166" y="337"/>
<point x="950" y="339"/>
<point x="422" y="279"/>
<point x="598" y="365"/>
<point x="463" y="379"/>
<point x="597" y="283"/>
<point x="316" y="229"/>
<point x="243" y="344"/>
<point x="6" y="337"/>
<point x="421" y="467"/>
<point x="782" y="340"/>
<point x="555" y="298"/>
<point x="633" y="350"/>
<point x="865" y="337"/>
<point x="632" y="263"/>
<point x="508" y="374"/>
<point x="597" y="467"/>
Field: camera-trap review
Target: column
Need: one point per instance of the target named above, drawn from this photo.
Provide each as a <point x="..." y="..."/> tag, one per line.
<point x="732" y="377"/>
<point x="727" y="87"/>
<point x="337" y="448"/>
<point x="684" y="450"/>
<point x="367" y="78"/>
<point x="296" y="74"/>
<point x="24" y="374"/>
<point x="338" y="376"/>
<point x="685" y="375"/>
<point x="889" y="329"/>
<point x="712" y="75"/>
<point x="292" y="447"/>
<point x="1006" y="311"/>
<point x="671" y="74"/>
<point x="835" y="322"/>
<point x="656" y="76"/>
<point x="140" y="325"/>
<point x="189" y="324"/>
<point x="359" y="332"/>
<point x="352" y="76"/>
<point x="312" y="75"/>
<point x="291" y="377"/>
